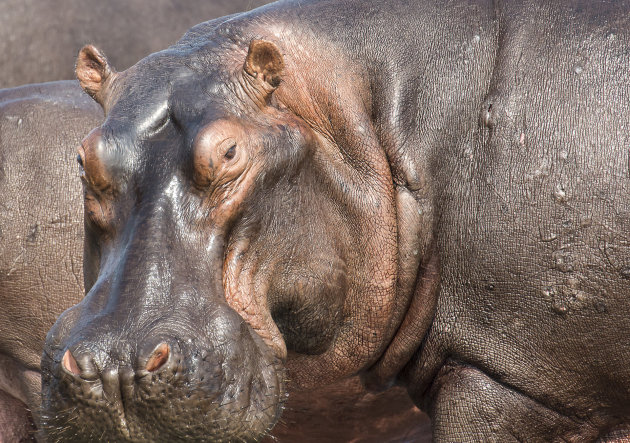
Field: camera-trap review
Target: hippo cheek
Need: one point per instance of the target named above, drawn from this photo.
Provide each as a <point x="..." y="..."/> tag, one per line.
<point x="219" y="383"/>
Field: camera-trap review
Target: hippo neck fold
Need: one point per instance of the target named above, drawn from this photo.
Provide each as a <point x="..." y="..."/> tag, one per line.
<point x="358" y="117"/>
<point x="404" y="121"/>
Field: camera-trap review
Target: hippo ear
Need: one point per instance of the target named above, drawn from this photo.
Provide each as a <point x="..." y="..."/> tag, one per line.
<point x="264" y="61"/>
<point x="93" y="70"/>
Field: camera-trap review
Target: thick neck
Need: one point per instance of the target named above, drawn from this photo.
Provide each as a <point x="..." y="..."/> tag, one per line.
<point x="391" y="107"/>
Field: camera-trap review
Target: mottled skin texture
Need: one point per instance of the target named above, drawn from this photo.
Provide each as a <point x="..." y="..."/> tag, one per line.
<point x="41" y="250"/>
<point x="442" y="207"/>
<point x="41" y="233"/>
<point x="39" y="39"/>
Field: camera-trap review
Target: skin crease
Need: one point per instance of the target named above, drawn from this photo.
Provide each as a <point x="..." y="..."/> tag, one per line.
<point x="523" y="343"/>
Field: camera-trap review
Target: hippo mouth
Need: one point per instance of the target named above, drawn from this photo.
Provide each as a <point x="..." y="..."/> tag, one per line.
<point x="226" y="392"/>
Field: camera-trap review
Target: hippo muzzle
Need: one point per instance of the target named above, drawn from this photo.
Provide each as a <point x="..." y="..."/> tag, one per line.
<point x="210" y="383"/>
<point x="153" y="352"/>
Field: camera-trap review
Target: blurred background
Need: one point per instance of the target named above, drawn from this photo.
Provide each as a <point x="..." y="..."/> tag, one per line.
<point x="40" y="39"/>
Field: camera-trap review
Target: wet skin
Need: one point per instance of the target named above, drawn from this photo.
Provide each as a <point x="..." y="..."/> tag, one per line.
<point x="41" y="249"/>
<point x="296" y="195"/>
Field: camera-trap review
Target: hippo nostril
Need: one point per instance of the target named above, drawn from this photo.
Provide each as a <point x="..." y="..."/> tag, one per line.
<point x="70" y="364"/>
<point x="158" y="358"/>
<point x="87" y="367"/>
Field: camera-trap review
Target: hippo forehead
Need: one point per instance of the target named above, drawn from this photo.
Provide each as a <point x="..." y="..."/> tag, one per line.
<point x="170" y="85"/>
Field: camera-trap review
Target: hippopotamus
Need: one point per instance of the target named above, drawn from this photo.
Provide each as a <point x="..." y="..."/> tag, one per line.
<point x="428" y="195"/>
<point x="41" y="234"/>
<point x="39" y="39"/>
<point x="41" y="252"/>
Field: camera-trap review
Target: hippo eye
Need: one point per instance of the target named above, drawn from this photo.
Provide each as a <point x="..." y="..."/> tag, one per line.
<point x="230" y="153"/>
<point x="79" y="160"/>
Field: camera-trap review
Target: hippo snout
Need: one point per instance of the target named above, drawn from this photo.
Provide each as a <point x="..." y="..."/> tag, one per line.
<point x="221" y="385"/>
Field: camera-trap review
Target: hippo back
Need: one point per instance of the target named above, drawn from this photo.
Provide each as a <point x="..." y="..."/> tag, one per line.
<point x="41" y="224"/>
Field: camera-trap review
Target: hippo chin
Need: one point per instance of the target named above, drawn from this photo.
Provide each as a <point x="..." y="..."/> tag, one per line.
<point x="430" y="195"/>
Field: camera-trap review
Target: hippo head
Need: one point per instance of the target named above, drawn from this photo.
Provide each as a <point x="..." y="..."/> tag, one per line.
<point x="230" y="245"/>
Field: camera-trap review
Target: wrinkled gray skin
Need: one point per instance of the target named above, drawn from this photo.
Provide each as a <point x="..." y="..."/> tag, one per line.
<point x="41" y="248"/>
<point x="39" y="39"/>
<point x="493" y="147"/>
<point x="41" y="233"/>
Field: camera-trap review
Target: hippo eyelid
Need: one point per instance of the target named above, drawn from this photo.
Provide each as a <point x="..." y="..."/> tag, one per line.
<point x="231" y="152"/>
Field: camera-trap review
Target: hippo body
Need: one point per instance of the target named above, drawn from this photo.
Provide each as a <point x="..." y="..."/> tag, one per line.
<point x="39" y="39"/>
<point x="41" y="253"/>
<point x="428" y="195"/>
<point x="41" y="233"/>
